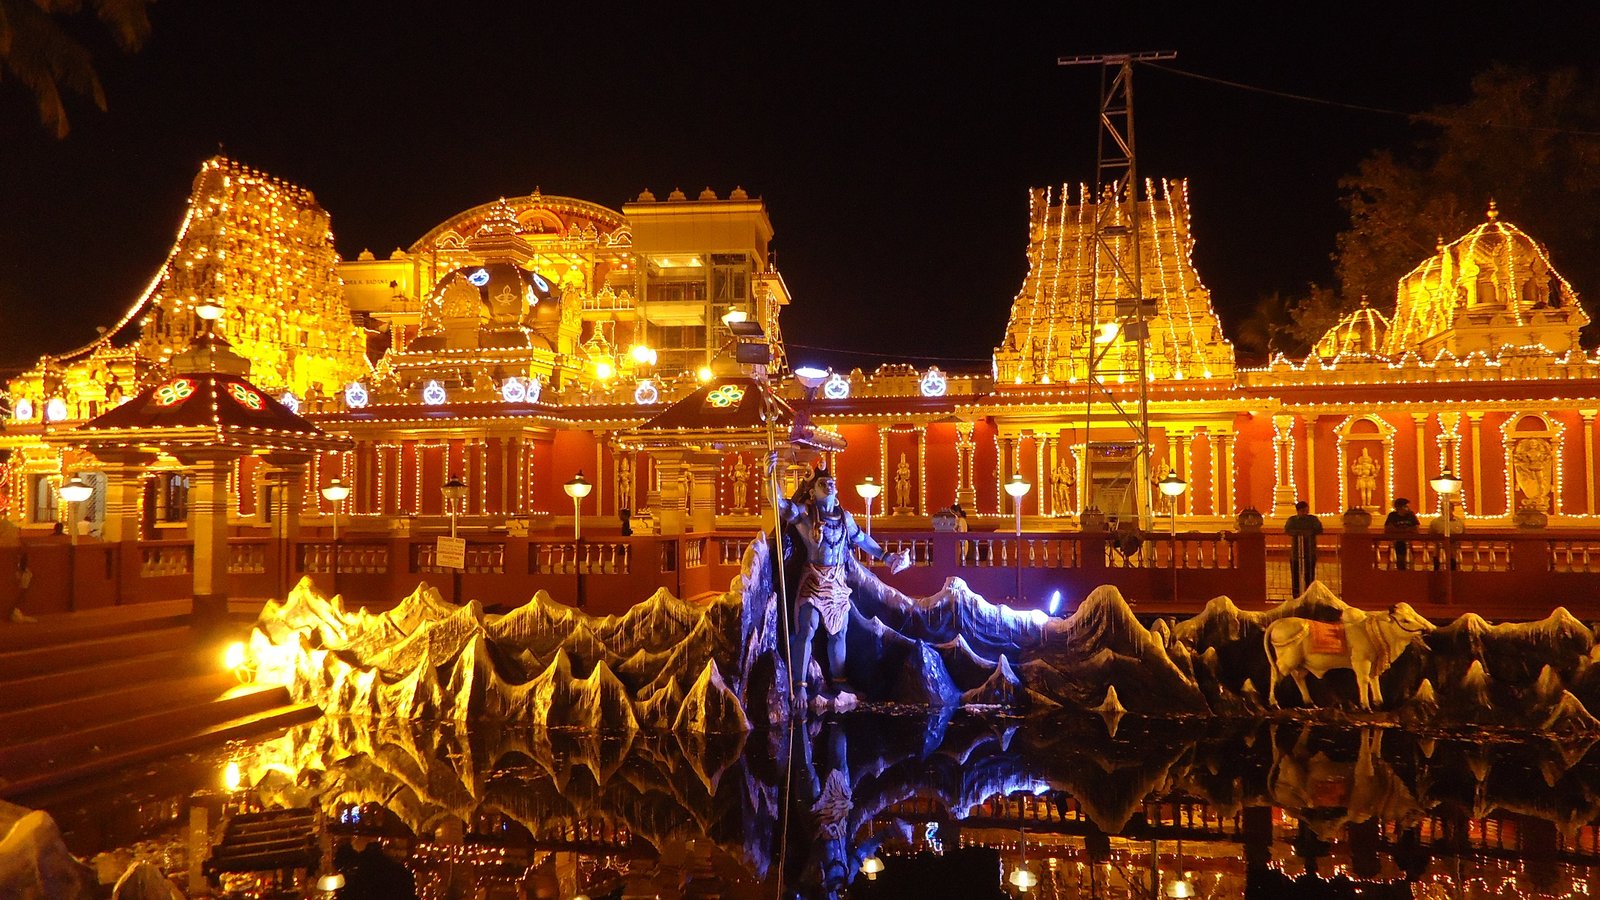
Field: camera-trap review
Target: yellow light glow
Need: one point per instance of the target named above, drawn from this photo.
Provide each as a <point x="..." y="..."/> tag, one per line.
<point x="235" y="656"/>
<point x="232" y="776"/>
<point x="704" y="374"/>
<point x="603" y="370"/>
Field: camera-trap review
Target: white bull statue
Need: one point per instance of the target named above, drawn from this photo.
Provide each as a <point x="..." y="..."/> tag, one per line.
<point x="1365" y="643"/>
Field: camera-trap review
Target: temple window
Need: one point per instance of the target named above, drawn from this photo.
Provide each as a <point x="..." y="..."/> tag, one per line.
<point x="43" y="490"/>
<point x="174" y="497"/>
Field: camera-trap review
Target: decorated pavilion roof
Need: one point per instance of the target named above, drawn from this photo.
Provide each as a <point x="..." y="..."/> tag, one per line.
<point x="204" y="409"/>
<point x="734" y="409"/>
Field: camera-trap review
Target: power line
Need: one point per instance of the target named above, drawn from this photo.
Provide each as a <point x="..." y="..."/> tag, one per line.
<point x="1361" y="107"/>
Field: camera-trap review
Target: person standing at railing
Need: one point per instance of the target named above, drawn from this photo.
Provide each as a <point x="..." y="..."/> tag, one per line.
<point x="1302" y="529"/>
<point x="1401" y="520"/>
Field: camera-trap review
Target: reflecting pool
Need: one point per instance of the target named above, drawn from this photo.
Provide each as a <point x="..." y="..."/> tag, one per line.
<point x="863" y="805"/>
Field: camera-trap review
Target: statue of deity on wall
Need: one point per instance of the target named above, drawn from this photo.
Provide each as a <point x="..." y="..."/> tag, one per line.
<point x="1365" y="471"/>
<point x="625" y="481"/>
<point x="1062" y="480"/>
<point x="902" y="487"/>
<point x="741" y="486"/>
<point x="1533" y="464"/>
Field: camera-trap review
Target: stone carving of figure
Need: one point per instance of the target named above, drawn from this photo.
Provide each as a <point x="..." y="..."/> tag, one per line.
<point x="461" y="300"/>
<point x="1365" y="469"/>
<point x="902" y="484"/>
<point x="741" y="485"/>
<point x="1533" y="464"/>
<point x="827" y="534"/>
<point x="625" y="482"/>
<point x="1062" y="480"/>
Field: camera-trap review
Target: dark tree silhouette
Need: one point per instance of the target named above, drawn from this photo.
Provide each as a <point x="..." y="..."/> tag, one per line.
<point x="37" y="50"/>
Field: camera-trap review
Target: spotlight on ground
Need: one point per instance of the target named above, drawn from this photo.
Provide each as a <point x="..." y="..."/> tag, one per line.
<point x="1055" y="603"/>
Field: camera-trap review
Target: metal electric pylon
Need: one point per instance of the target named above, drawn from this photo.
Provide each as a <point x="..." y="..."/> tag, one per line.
<point x="1121" y="316"/>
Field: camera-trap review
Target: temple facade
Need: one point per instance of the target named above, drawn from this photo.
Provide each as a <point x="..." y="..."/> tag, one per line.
<point x="528" y="338"/>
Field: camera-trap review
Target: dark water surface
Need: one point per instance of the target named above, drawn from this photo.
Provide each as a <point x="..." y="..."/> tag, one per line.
<point x="965" y="805"/>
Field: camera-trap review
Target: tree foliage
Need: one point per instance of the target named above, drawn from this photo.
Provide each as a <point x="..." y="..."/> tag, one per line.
<point x="1528" y="140"/>
<point x="37" y="50"/>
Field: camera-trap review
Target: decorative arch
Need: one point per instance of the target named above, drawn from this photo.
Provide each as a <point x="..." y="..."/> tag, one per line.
<point x="533" y="208"/>
<point x="1365" y="443"/>
<point x="1533" y="444"/>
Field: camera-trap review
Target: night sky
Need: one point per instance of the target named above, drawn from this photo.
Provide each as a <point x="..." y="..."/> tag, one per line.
<point x="894" y="149"/>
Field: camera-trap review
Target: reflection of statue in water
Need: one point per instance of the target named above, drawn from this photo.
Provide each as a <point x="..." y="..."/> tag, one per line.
<point x="741" y="486"/>
<point x="902" y="485"/>
<point x="1062" y="481"/>
<point x="828" y="534"/>
<point x="1365" y="469"/>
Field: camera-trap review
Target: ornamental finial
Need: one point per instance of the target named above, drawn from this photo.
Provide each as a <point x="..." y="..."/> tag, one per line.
<point x="1494" y="210"/>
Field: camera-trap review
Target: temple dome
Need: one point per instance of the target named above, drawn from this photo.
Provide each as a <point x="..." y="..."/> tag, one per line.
<point x="501" y="303"/>
<point x="1492" y="287"/>
<point x="1360" y="333"/>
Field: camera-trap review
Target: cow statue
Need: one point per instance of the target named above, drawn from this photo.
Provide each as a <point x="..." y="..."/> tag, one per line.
<point x="1366" y="643"/>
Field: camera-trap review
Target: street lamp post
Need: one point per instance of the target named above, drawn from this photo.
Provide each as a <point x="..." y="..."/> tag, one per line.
<point x="74" y="492"/>
<point x="1447" y="485"/>
<point x="1018" y="488"/>
<point x="1172" y="487"/>
<point x="578" y="488"/>
<point x="454" y="492"/>
<point x="336" y="493"/>
<point x="869" y="490"/>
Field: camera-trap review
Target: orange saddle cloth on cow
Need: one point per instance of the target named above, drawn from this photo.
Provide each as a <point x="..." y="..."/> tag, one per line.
<point x="1328" y="638"/>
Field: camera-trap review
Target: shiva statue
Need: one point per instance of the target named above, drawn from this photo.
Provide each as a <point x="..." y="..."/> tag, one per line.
<point x="829" y="535"/>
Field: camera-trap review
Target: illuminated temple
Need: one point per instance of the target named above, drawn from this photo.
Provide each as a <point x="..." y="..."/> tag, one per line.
<point x="531" y="337"/>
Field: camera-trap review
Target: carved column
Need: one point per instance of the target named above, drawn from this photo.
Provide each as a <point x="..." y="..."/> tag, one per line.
<point x="667" y="500"/>
<point x="1420" y="420"/>
<point x="288" y="471"/>
<point x="1450" y="450"/>
<point x="1310" y="423"/>
<point x="1476" y="498"/>
<point x="704" y="471"/>
<point x="1222" y="489"/>
<point x="208" y="529"/>
<point x="966" y="490"/>
<point x="1283" y="459"/>
<point x="1179" y="444"/>
<point x="1588" y="457"/>
<point x="125" y="473"/>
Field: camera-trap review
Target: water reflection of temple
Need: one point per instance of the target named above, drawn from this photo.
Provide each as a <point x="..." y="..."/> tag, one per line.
<point x="1231" y="810"/>
<point x="525" y="339"/>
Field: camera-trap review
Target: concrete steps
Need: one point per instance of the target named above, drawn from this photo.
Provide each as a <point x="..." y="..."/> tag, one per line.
<point x="87" y="694"/>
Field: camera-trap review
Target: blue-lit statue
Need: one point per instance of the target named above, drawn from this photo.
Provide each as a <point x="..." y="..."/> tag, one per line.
<point x="827" y="534"/>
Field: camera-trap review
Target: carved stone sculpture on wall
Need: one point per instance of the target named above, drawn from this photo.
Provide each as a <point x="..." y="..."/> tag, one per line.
<point x="1364" y="471"/>
<point x="902" y="488"/>
<point x="625" y="482"/>
<point x="741" y="486"/>
<point x="1062" y="481"/>
<point x="1533" y="465"/>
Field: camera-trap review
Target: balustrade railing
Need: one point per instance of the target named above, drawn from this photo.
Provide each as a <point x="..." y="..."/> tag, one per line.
<point x="582" y="558"/>
<point x="161" y="560"/>
<point x="247" y="558"/>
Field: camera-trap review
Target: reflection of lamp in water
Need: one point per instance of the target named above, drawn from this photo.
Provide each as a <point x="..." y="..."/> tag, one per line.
<point x="1172" y="487"/>
<point x="869" y="490"/>
<point x="1181" y="887"/>
<point x="1022" y="877"/>
<point x="1018" y="488"/>
<point x="871" y="867"/>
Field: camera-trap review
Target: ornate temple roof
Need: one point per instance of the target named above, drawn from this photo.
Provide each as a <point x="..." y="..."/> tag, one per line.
<point x="1073" y="285"/>
<point x="206" y="404"/>
<point x="1359" y="334"/>
<point x="728" y="412"/>
<point x="1490" y="288"/>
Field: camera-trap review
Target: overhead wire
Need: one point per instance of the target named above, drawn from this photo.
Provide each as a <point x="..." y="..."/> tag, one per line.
<point x="1433" y="118"/>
